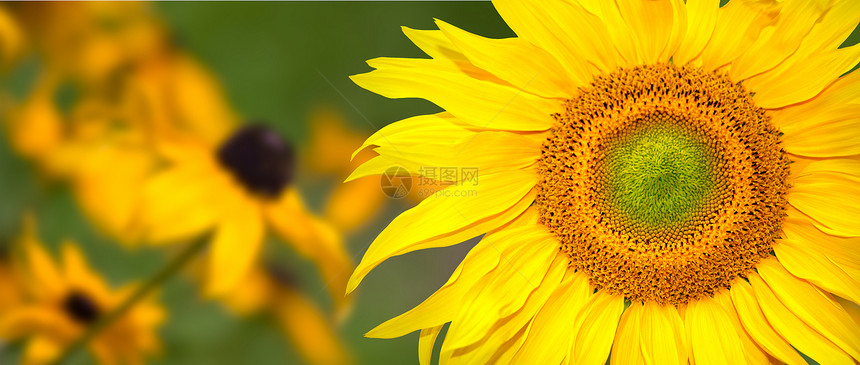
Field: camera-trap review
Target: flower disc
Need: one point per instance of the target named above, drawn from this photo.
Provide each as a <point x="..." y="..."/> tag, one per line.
<point x="663" y="183"/>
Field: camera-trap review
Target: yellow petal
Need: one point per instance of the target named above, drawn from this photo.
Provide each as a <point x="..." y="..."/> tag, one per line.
<point x="597" y="323"/>
<point x="828" y="196"/>
<point x="817" y="128"/>
<point x="814" y="307"/>
<point x="314" y="239"/>
<point x="663" y="338"/>
<point x="353" y="204"/>
<point x="331" y="142"/>
<point x="804" y="262"/>
<point x="803" y="79"/>
<point x="41" y="350"/>
<point x="523" y="267"/>
<point x="701" y="18"/>
<point x="756" y="324"/>
<point x="626" y="349"/>
<point x="477" y="102"/>
<point x="112" y="200"/>
<point x="739" y="24"/>
<point x="827" y="133"/>
<point x="252" y="296"/>
<point x="435" y="44"/>
<point x="553" y="328"/>
<point x="816" y="64"/>
<point x="834" y="28"/>
<point x="502" y="151"/>
<point x="78" y="273"/>
<point x="800" y="230"/>
<point x="852" y="308"/>
<point x="31" y="319"/>
<point x="35" y="128"/>
<point x="712" y="335"/>
<point x="177" y="204"/>
<point x="446" y="55"/>
<point x="791" y="327"/>
<point x="441" y="306"/>
<point x="778" y="42"/>
<point x="456" y="216"/>
<point x="623" y="39"/>
<point x="505" y="338"/>
<point x="514" y="60"/>
<point x="417" y="130"/>
<point x="235" y="247"/>
<point x="104" y="354"/>
<point x="314" y="336"/>
<point x="11" y="38"/>
<point x="46" y="279"/>
<point x="658" y="27"/>
<point x="753" y="353"/>
<point x="199" y="101"/>
<point x="426" y="341"/>
<point x="547" y="25"/>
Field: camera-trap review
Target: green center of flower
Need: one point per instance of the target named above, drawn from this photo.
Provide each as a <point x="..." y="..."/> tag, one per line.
<point x="659" y="176"/>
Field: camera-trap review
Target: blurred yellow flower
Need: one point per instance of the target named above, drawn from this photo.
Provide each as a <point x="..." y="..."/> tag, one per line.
<point x="35" y="126"/>
<point x="11" y="38"/>
<point x="10" y="290"/>
<point x="59" y="303"/>
<point x="92" y="41"/>
<point x="241" y="188"/>
<point x="332" y="142"/>
<point x="103" y="159"/>
<point x="271" y="289"/>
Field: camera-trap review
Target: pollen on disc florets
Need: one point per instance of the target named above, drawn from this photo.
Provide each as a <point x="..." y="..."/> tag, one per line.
<point x="663" y="182"/>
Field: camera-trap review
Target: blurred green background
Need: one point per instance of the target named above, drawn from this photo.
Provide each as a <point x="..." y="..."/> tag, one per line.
<point x="276" y="62"/>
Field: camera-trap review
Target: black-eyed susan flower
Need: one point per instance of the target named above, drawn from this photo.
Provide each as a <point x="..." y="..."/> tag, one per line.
<point x="665" y="181"/>
<point x="240" y="188"/>
<point x="60" y="302"/>
<point x="270" y="289"/>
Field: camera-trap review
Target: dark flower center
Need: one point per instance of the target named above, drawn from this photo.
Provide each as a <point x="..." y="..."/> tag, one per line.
<point x="259" y="159"/>
<point x="81" y="308"/>
<point x="280" y="275"/>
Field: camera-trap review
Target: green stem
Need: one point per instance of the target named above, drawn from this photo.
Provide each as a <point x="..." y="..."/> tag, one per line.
<point x="141" y="292"/>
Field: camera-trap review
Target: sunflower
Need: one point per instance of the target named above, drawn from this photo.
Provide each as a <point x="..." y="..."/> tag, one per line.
<point x="239" y="188"/>
<point x="59" y="303"/>
<point x="662" y="181"/>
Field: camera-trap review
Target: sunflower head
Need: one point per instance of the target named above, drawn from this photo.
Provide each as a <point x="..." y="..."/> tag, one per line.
<point x="663" y="182"/>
